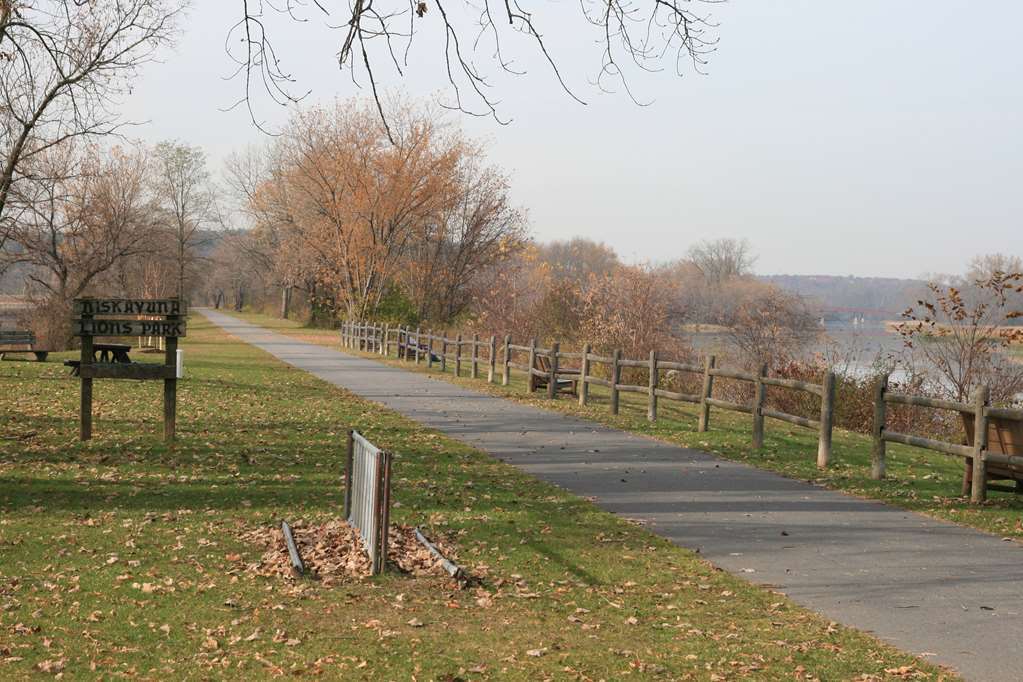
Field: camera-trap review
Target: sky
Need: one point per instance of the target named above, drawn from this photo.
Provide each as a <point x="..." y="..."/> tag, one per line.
<point x="869" y="138"/>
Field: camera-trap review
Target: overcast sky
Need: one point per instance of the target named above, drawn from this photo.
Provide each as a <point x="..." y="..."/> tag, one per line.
<point x="868" y="138"/>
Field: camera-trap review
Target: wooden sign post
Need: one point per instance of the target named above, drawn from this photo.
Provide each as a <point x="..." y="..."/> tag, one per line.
<point x="87" y="324"/>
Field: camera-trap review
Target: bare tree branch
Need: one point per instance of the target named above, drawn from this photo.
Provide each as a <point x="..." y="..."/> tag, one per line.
<point x="642" y="32"/>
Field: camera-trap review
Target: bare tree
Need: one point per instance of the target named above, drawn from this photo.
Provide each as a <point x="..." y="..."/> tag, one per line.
<point x="959" y="332"/>
<point x="985" y="267"/>
<point x="642" y="34"/>
<point x="186" y="195"/>
<point x="63" y="64"/>
<point x="722" y="259"/>
<point x="475" y="228"/>
<point x="81" y="227"/>
<point x="765" y="324"/>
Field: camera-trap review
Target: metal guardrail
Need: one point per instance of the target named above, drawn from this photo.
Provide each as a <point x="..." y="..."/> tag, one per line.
<point x="368" y="496"/>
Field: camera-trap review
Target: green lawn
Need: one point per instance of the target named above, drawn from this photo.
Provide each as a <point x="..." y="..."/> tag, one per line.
<point x="123" y="557"/>
<point x="919" y="480"/>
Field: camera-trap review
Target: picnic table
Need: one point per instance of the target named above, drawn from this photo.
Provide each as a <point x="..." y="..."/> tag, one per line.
<point x="110" y="353"/>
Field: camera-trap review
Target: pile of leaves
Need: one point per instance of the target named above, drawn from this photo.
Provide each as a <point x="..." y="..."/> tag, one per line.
<point x="333" y="552"/>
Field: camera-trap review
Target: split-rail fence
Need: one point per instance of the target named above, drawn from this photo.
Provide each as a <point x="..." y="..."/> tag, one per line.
<point x="548" y="365"/>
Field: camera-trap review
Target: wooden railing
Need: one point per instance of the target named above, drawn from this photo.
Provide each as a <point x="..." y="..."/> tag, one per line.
<point x="440" y="349"/>
<point x="500" y="359"/>
<point x="978" y="455"/>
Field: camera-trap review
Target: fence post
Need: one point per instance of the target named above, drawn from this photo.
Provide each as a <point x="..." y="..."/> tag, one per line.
<point x="429" y="349"/>
<point x="350" y="455"/>
<point x="705" y="394"/>
<point x="616" y="372"/>
<point x="458" y="355"/>
<point x="385" y="511"/>
<point x="877" y="469"/>
<point x="759" y="393"/>
<point x="507" y="359"/>
<point x="978" y="492"/>
<point x="531" y="384"/>
<point x="385" y="350"/>
<point x="584" y="369"/>
<point x="827" y="420"/>
<point x="419" y="341"/>
<point x="444" y="352"/>
<point x="552" y="378"/>
<point x="651" y="403"/>
<point x="492" y="359"/>
<point x="474" y="371"/>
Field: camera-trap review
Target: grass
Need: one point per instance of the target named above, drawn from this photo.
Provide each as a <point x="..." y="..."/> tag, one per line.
<point x="918" y="480"/>
<point x="122" y="557"/>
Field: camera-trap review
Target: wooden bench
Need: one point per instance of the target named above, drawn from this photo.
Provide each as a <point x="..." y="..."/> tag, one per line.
<point x="1004" y="437"/>
<point x="543" y="363"/>
<point x="20" y="342"/>
<point x="407" y="351"/>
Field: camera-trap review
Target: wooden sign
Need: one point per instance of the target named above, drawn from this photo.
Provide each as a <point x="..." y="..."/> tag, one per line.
<point x="91" y="307"/>
<point x="166" y="328"/>
<point x="87" y="325"/>
<point x="133" y="370"/>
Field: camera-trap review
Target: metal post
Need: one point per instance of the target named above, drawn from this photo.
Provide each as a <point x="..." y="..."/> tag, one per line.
<point x="349" y="458"/>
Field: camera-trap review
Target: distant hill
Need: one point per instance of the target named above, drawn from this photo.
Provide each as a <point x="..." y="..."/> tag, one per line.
<point x="878" y="298"/>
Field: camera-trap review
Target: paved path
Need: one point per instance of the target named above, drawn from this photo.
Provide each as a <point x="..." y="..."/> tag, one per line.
<point x="932" y="588"/>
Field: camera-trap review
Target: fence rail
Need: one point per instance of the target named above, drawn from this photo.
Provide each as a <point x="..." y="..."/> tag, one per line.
<point x="368" y="496"/>
<point x="981" y="421"/>
<point x="547" y="366"/>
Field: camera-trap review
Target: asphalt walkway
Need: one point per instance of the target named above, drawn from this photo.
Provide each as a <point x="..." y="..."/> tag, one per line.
<point x="950" y="594"/>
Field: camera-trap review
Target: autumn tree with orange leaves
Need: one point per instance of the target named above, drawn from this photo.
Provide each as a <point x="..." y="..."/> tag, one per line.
<point x="357" y="217"/>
